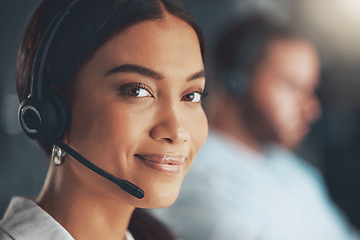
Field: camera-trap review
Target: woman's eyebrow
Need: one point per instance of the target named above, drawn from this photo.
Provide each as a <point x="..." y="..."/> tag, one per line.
<point x="197" y="75"/>
<point x="133" y="68"/>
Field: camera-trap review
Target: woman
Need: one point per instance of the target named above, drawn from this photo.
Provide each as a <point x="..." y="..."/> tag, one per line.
<point x="132" y="75"/>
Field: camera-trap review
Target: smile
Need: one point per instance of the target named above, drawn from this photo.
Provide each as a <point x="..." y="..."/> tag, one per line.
<point x="166" y="164"/>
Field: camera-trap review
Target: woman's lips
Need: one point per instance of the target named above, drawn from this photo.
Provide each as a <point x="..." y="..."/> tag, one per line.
<point x="167" y="164"/>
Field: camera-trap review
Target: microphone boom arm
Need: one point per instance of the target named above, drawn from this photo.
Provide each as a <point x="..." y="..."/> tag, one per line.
<point x="123" y="184"/>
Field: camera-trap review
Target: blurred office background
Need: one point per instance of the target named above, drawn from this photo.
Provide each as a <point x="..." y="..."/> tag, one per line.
<point x="332" y="145"/>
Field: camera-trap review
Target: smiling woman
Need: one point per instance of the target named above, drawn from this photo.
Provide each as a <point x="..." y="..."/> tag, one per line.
<point x="131" y="74"/>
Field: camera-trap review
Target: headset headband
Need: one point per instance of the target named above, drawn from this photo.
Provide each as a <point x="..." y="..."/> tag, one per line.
<point x="38" y="67"/>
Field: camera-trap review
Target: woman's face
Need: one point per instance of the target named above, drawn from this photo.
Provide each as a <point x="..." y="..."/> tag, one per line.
<point x="137" y="111"/>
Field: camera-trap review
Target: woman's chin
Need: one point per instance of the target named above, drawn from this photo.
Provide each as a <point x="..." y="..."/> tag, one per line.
<point x="158" y="200"/>
<point x="165" y="204"/>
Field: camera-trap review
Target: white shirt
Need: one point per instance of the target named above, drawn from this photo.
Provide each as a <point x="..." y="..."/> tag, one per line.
<point x="25" y="220"/>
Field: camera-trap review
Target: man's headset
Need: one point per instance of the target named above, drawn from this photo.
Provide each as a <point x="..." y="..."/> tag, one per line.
<point x="246" y="49"/>
<point x="45" y="115"/>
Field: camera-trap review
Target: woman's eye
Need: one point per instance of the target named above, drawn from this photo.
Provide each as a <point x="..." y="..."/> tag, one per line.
<point x="193" y="97"/>
<point x="138" y="92"/>
<point x="135" y="90"/>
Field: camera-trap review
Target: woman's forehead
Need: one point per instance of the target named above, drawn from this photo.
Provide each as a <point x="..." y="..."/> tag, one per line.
<point x="152" y="43"/>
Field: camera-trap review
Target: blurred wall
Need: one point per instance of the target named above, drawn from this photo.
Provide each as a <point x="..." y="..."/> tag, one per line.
<point x="332" y="145"/>
<point x="22" y="166"/>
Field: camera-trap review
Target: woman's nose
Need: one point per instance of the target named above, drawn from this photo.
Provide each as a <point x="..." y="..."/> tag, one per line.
<point x="170" y="127"/>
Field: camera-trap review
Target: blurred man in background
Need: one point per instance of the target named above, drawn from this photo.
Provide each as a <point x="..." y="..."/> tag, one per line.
<point x="246" y="182"/>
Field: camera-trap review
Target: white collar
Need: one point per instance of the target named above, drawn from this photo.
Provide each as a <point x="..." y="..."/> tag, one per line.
<point x="24" y="219"/>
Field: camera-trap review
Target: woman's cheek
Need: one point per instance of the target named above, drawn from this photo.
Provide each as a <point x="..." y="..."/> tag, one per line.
<point x="200" y="129"/>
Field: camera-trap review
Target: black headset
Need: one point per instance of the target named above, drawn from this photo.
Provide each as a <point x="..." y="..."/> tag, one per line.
<point x="45" y="115"/>
<point x="247" y="49"/>
<point x="44" y="112"/>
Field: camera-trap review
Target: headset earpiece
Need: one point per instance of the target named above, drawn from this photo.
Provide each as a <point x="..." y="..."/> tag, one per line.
<point x="37" y="118"/>
<point x="45" y="117"/>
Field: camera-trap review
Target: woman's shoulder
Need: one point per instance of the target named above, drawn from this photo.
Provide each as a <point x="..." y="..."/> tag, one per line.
<point x="24" y="219"/>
